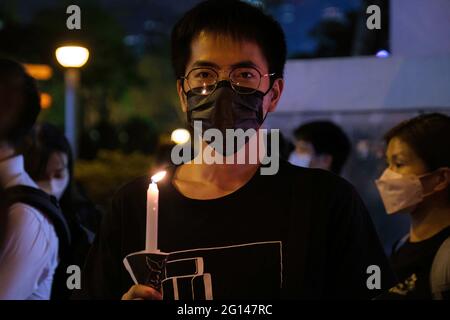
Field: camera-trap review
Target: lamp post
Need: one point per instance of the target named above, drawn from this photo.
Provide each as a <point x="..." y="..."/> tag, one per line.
<point x="72" y="58"/>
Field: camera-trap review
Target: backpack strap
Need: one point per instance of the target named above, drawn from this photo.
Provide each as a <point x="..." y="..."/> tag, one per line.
<point x="46" y="204"/>
<point x="440" y="272"/>
<point x="397" y="245"/>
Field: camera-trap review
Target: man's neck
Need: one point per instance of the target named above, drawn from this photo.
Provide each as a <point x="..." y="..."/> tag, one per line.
<point x="211" y="181"/>
<point x="203" y="180"/>
<point x="230" y="169"/>
<point x="429" y="219"/>
<point x="6" y="151"/>
<point x="220" y="173"/>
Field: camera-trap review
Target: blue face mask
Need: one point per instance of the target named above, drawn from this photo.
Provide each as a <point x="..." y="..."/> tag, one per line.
<point x="300" y="160"/>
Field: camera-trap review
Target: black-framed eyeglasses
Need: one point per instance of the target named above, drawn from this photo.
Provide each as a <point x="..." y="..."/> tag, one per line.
<point x="203" y="81"/>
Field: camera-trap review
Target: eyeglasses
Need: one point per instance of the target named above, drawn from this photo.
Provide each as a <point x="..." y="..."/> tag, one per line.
<point x="244" y="80"/>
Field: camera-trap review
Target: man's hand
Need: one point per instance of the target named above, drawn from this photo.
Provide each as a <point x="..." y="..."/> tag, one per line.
<point x="141" y="292"/>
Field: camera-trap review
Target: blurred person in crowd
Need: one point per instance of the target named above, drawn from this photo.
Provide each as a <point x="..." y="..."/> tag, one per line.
<point x="49" y="161"/>
<point x="286" y="147"/>
<point x="417" y="182"/>
<point x="28" y="241"/>
<point x="320" y="144"/>
<point x="299" y="233"/>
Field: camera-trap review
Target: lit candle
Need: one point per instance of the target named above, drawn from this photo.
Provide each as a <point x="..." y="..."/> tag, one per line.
<point x="151" y="236"/>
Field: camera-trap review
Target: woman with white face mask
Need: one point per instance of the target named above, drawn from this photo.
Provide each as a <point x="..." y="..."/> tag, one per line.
<point x="48" y="160"/>
<point x="416" y="182"/>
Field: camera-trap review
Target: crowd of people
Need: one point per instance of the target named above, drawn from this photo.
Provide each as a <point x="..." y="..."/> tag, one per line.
<point x="301" y="233"/>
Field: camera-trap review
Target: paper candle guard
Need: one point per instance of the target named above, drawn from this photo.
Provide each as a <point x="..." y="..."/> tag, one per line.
<point x="147" y="268"/>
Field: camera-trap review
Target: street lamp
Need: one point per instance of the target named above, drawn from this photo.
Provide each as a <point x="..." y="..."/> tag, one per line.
<point x="180" y="136"/>
<point x="72" y="58"/>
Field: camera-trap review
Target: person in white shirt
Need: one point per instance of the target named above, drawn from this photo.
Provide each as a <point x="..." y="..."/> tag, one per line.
<point x="29" y="244"/>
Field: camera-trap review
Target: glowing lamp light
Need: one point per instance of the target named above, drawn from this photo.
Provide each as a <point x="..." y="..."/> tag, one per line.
<point x="39" y="71"/>
<point x="72" y="56"/>
<point x="180" y="136"/>
<point x="46" y="100"/>
<point x="382" y="54"/>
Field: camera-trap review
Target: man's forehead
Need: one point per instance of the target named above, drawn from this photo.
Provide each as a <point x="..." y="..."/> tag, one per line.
<point x="224" y="51"/>
<point x="221" y="39"/>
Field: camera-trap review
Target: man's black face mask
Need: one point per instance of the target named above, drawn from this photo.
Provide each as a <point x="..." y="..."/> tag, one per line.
<point x="226" y="109"/>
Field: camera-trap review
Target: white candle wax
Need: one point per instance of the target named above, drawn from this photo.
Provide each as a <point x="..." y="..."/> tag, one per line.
<point x="151" y="239"/>
<point x="151" y="230"/>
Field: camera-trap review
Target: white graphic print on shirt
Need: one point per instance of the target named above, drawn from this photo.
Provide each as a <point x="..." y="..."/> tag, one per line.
<point x="228" y="272"/>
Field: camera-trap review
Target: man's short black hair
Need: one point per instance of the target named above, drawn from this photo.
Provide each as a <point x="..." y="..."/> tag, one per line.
<point x="234" y="18"/>
<point x="326" y="138"/>
<point x="19" y="102"/>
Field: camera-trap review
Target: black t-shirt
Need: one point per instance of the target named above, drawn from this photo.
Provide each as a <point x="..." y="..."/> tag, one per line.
<point x="302" y="233"/>
<point x="412" y="265"/>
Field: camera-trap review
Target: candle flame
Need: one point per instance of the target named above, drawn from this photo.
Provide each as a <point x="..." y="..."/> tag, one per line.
<point x="158" y="176"/>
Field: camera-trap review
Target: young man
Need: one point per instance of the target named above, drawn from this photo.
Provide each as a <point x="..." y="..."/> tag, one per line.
<point x="230" y="231"/>
<point x="320" y="144"/>
<point x="28" y="242"/>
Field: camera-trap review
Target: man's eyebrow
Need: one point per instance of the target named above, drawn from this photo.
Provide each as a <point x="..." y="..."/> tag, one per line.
<point x="245" y="64"/>
<point x="241" y="64"/>
<point x="203" y="63"/>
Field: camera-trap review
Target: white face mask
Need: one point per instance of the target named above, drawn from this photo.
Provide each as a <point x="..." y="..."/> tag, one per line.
<point x="54" y="187"/>
<point x="300" y="160"/>
<point x="400" y="194"/>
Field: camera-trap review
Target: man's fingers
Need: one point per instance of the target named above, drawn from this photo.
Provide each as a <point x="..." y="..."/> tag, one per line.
<point x="139" y="291"/>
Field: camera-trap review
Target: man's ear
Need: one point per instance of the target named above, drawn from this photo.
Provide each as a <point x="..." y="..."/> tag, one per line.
<point x="181" y="96"/>
<point x="275" y="94"/>
<point x="443" y="179"/>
